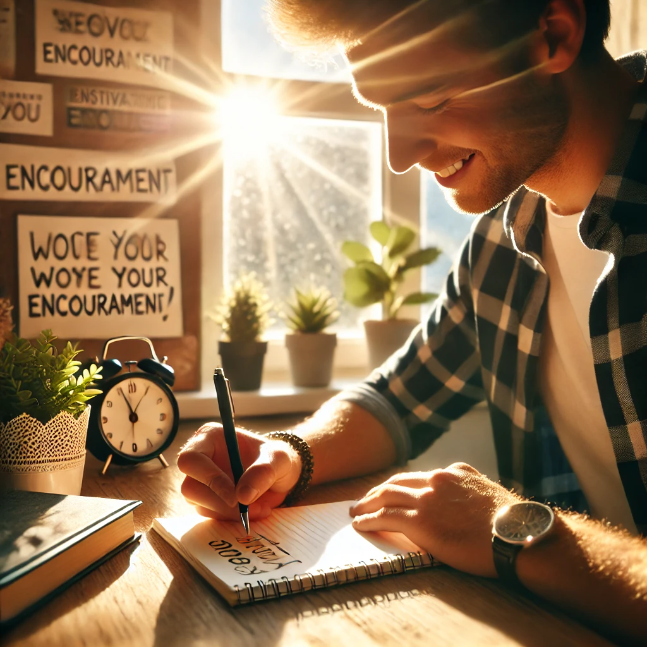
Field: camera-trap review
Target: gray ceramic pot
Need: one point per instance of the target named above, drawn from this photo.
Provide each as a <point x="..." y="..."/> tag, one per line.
<point x="243" y="363"/>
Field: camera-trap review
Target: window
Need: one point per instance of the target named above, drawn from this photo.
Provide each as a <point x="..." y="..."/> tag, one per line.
<point x="442" y="227"/>
<point x="294" y="191"/>
<point x="301" y="168"/>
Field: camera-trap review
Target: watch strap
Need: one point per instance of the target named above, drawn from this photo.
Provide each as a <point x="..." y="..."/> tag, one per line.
<point x="505" y="561"/>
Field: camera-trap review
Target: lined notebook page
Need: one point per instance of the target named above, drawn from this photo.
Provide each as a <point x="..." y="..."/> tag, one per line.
<point x="294" y="550"/>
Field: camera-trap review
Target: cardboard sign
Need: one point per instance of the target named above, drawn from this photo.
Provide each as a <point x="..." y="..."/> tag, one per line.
<point x="123" y="109"/>
<point x="26" y="108"/>
<point x="7" y="39"/>
<point x="83" y="40"/>
<point x="96" y="278"/>
<point x="36" y="173"/>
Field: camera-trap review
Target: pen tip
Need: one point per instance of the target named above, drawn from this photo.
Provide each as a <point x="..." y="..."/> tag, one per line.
<point x="245" y="519"/>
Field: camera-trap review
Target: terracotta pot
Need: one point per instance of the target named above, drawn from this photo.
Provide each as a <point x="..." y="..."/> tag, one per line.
<point x="386" y="337"/>
<point x="243" y="363"/>
<point x="44" y="458"/>
<point x="311" y="357"/>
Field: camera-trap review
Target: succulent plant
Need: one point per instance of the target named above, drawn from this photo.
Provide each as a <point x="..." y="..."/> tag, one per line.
<point x="369" y="282"/>
<point x="244" y="312"/>
<point x="312" y="310"/>
<point x="38" y="380"/>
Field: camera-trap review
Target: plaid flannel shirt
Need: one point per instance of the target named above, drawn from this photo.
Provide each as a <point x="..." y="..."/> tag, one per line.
<point x="483" y="337"/>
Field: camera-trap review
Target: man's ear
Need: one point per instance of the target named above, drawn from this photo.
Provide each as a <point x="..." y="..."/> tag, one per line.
<point x="559" y="35"/>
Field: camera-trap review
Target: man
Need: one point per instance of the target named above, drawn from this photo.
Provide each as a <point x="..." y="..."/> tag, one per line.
<point x="525" y="118"/>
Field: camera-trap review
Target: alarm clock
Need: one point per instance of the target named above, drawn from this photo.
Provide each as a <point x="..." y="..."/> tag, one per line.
<point x="136" y="417"/>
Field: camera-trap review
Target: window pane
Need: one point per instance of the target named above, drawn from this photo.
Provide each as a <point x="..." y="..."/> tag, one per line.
<point x="249" y="48"/>
<point x="442" y="227"/>
<point x="293" y="197"/>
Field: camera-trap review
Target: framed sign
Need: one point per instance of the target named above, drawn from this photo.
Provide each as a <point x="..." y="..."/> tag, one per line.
<point x="66" y="174"/>
<point x="95" y="278"/>
<point x="83" y="40"/>
<point x="121" y="109"/>
<point x="26" y="108"/>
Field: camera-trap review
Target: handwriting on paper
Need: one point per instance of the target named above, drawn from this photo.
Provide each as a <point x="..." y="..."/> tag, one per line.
<point x="256" y="554"/>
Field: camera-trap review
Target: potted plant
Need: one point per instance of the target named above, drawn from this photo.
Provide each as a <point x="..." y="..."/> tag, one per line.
<point x="370" y="281"/>
<point x="243" y="316"/>
<point x="310" y="348"/>
<point x="43" y="415"/>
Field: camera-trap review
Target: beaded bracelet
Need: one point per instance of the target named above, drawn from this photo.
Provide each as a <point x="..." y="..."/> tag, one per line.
<point x="307" y="464"/>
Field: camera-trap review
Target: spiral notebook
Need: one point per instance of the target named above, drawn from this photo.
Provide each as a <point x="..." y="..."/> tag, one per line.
<point x="293" y="551"/>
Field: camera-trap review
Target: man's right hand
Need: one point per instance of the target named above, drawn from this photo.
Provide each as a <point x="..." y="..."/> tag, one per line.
<point x="273" y="469"/>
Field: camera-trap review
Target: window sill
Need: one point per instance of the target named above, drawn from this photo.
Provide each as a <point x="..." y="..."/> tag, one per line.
<point x="273" y="398"/>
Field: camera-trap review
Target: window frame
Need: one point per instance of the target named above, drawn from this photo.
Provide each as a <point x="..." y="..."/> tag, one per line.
<point x="401" y="200"/>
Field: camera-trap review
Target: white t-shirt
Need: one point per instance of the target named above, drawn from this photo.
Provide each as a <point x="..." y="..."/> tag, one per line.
<point x="567" y="378"/>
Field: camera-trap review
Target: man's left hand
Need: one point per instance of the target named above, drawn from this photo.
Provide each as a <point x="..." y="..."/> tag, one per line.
<point x="448" y="513"/>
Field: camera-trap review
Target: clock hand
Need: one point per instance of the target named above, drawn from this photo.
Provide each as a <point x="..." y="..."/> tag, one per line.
<point x="143" y="396"/>
<point x="127" y="402"/>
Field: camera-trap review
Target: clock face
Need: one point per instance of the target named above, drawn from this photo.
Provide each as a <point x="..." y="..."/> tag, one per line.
<point x="522" y="523"/>
<point x="137" y="416"/>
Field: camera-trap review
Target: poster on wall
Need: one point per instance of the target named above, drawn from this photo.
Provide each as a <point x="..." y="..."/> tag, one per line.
<point x="120" y="109"/>
<point x="96" y="278"/>
<point x="7" y="39"/>
<point x="55" y="174"/>
<point x="26" y="108"/>
<point x="82" y="40"/>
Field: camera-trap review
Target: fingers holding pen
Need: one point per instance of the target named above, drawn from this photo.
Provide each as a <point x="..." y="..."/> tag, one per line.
<point x="209" y="504"/>
<point x="268" y="472"/>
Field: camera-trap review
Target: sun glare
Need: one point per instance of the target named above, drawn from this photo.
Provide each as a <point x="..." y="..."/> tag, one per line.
<point x="249" y="119"/>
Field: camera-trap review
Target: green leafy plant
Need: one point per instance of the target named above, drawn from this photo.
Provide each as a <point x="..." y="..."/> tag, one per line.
<point x="244" y="313"/>
<point x="312" y="310"/>
<point x="369" y="282"/>
<point x="38" y="380"/>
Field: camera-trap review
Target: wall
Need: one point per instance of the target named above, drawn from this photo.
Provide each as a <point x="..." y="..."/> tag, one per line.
<point x="183" y="352"/>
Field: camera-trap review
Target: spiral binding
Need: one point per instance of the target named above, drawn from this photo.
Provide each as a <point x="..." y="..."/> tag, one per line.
<point x="391" y="565"/>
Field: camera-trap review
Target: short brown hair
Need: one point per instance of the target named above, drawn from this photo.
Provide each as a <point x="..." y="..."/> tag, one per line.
<point x="321" y="24"/>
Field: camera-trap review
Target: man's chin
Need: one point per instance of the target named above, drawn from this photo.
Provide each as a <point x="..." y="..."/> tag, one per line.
<point x="471" y="204"/>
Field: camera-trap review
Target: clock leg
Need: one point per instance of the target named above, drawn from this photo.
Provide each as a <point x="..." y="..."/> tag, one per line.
<point x="106" y="465"/>
<point x="162" y="460"/>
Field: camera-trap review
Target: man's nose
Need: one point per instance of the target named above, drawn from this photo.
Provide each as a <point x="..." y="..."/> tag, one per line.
<point x="407" y="141"/>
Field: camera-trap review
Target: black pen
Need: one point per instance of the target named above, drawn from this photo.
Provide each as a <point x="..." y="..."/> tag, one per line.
<point x="226" y="407"/>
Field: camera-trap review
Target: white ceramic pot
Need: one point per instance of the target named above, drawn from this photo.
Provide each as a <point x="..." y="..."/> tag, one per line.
<point x="43" y="458"/>
<point x="385" y="337"/>
<point x="311" y="357"/>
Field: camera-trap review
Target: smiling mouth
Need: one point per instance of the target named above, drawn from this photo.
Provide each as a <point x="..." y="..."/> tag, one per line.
<point x="455" y="167"/>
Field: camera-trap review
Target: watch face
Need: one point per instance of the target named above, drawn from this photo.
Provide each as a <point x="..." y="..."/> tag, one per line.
<point x="137" y="416"/>
<point x="522" y="523"/>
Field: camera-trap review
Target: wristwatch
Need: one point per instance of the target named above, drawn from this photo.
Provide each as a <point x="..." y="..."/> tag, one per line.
<point x="514" y="528"/>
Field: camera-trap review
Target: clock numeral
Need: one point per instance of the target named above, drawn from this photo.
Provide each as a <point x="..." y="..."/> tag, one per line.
<point x="120" y="391"/>
<point x="159" y="431"/>
<point x="121" y="444"/>
<point x="159" y="400"/>
<point x="132" y="387"/>
<point x="134" y="447"/>
<point x="109" y="435"/>
<point x="104" y="419"/>
<point x="109" y="404"/>
<point x="149" y="443"/>
<point x="162" y="416"/>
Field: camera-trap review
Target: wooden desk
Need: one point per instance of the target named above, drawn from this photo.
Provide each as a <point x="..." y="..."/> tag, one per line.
<point x="149" y="595"/>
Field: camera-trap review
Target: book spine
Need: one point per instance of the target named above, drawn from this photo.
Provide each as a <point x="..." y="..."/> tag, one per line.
<point x="277" y="588"/>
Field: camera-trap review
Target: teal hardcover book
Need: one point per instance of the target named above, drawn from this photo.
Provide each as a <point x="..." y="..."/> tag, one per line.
<point x="48" y="541"/>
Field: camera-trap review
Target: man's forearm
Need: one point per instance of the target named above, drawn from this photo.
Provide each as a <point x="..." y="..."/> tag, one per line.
<point x="346" y="441"/>
<point x="591" y="571"/>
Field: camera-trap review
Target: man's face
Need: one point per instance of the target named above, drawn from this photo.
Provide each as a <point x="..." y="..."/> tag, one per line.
<point x="461" y="113"/>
